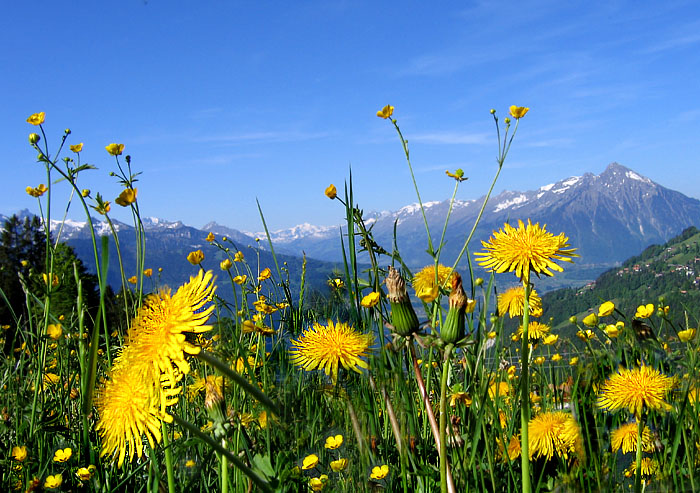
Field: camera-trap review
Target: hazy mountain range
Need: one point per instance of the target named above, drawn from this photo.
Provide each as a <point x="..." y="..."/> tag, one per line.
<point x="608" y="217"/>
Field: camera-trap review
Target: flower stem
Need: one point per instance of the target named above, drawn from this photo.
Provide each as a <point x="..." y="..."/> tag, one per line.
<point x="168" y="459"/>
<point x="525" y="393"/>
<point x="443" y="418"/>
<point x="638" y="473"/>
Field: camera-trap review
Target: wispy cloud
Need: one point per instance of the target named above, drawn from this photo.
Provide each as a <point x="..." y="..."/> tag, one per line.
<point x="673" y="43"/>
<point x="268" y="136"/>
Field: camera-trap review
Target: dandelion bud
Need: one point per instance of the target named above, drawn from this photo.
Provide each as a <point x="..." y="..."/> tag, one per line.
<point x="453" y="329"/>
<point x="34" y="138"/>
<point x="403" y="316"/>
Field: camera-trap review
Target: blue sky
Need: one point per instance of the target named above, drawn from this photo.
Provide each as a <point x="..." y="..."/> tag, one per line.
<point x="220" y="103"/>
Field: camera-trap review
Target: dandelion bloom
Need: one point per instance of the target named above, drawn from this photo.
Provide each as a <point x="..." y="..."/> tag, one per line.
<point x="325" y="347"/>
<point x="686" y="335"/>
<point x="644" y="311"/>
<point x="52" y="482"/>
<point x="625" y="438"/>
<point x="37" y="118"/>
<point x="77" y="147"/>
<point x="386" y="112"/>
<point x="19" y="452"/>
<point x="554" y="433"/>
<point x="333" y="442"/>
<point x="226" y="264"/>
<point x="518" y="111"/>
<point x="370" y="300"/>
<point x="648" y="469"/>
<point x="635" y="389"/>
<point x="309" y="462"/>
<point x="527" y="248"/>
<point x="512" y="452"/>
<point x="331" y="192"/>
<point x="62" y="455"/>
<point x="115" y="149"/>
<point x="128" y="196"/>
<point x="512" y="302"/>
<point x="379" y="472"/>
<point x="54" y="331"/>
<point x="339" y="465"/>
<point x="424" y="281"/>
<point x="195" y="257"/>
<point x="535" y="331"/>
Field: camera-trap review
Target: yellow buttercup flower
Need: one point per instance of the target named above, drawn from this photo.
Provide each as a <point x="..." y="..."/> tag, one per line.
<point x="52" y="482"/>
<point x="266" y="273"/>
<point x="226" y="264"/>
<point x="518" y="112"/>
<point x="77" y="147"/>
<point x="370" y="300"/>
<point x="331" y="192"/>
<point x="331" y="346"/>
<point x="85" y="473"/>
<point x="550" y="339"/>
<point x="62" y="455"/>
<point x="54" y="331"/>
<point x="133" y="280"/>
<point x="585" y="335"/>
<point x="590" y="320"/>
<point x="386" y="112"/>
<point x="458" y="175"/>
<point x="38" y="191"/>
<point x="19" y="453"/>
<point x="37" y="118"/>
<point x="196" y="257"/>
<point x="238" y="256"/>
<point x="527" y="248"/>
<point x="309" y="462"/>
<point x="539" y="360"/>
<point x="686" y="335"/>
<point x="645" y="311"/>
<point x="239" y="279"/>
<point x="148" y="272"/>
<point x="115" y="149"/>
<point x="573" y="361"/>
<point x="317" y="484"/>
<point x="612" y="331"/>
<point x="210" y="237"/>
<point x="379" y="472"/>
<point x="339" y="465"/>
<point x="606" y="309"/>
<point x="334" y="442"/>
<point x="127" y="197"/>
<point x="556" y="357"/>
<point x="635" y="390"/>
<point x="54" y="279"/>
<point x="512" y="301"/>
<point x="104" y="208"/>
<point x="85" y="192"/>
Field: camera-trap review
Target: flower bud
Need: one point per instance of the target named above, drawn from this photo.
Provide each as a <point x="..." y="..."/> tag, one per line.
<point x="403" y="316"/>
<point x="573" y="319"/>
<point x="34" y="138"/>
<point x="453" y="328"/>
<point x="478" y="281"/>
<point x="67" y="131"/>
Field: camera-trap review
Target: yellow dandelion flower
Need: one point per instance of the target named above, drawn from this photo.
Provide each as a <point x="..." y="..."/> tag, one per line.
<point x="325" y="347"/>
<point x="553" y="433"/>
<point x="512" y="301"/>
<point x="606" y="309"/>
<point x="527" y="248"/>
<point x="333" y="442"/>
<point x="499" y="389"/>
<point x="115" y="149"/>
<point x="424" y="281"/>
<point x="331" y="192"/>
<point x="77" y="147"/>
<point x="625" y="438"/>
<point x="512" y="452"/>
<point x="379" y="472"/>
<point x="195" y="257"/>
<point x="157" y="334"/>
<point x="370" y="300"/>
<point x="128" y="196"/>
<point x="386" y="112"/>
<point x="648" y="469"/>
<point x="129" y="406"/>
<point x="535" y="331"/>
<point x="635" y="389"/>
<point x="37" y="118"/>
<point x="518" y="112"/>
<point x="339" y="465"/>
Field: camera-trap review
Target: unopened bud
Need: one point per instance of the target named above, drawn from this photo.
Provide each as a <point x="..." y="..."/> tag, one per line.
<point x="34" y="138"/>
